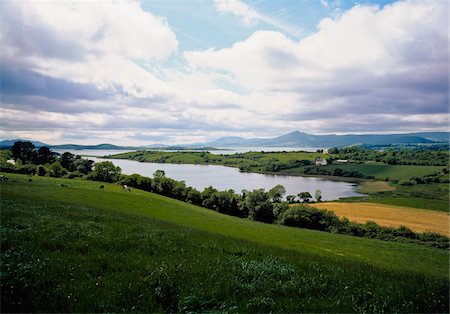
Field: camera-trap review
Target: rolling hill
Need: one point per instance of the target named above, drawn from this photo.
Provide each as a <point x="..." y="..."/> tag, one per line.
<point x="68" y="246"/>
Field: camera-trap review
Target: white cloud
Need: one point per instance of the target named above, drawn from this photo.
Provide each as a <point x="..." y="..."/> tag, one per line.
<point x="393" y="59"/>
<point x="248" y="15"/>
<point x="368" y="69"/>
<point x="94" y="28"/>
<point x="87" y="42"/>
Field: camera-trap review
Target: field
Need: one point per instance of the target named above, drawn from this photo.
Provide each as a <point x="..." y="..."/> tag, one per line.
<point x="422" y="196"/>
<point x="419" y="220"/>
<point x="68" y="246"/>
<point x="383" y="171"/>
<point x="206" y="157"/>
<point x="377" y="170"/>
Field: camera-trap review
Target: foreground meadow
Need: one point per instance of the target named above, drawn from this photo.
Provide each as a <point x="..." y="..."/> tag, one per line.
<point x="68" y="246"/>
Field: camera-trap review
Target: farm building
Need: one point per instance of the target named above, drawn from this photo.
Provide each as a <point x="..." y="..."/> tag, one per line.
<point x="321" y="162"/>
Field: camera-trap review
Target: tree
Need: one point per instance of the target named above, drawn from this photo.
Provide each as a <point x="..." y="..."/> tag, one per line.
<point x="276" y="193"/>
<point x="106" y="172"/>
<point x="23" y="151"/>
<point x="56" y="170"/>
<point x="304" y="196"/>
<point x="83" y="165"/>
<point x="258" y="205"/>
<point x="318" y="195"/>
<point x="291" y="199"/>
<point x="67" y="160"/>
<point x="44" y="156"/>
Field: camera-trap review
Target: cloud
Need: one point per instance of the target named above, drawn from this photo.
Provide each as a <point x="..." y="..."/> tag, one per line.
<point x="248" y="15"/>
<point x="95" y="43"/>
<point x="97" y="71"/>
<point x="77" y="30"/>
<point x="368" y="60"/>
<point x="251" y="17"/>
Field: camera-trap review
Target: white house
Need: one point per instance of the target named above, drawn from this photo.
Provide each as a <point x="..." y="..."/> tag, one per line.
<point x="321" y="162"/>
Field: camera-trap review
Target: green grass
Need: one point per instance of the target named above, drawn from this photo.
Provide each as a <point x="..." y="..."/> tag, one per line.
<point x="76" y="248"/>
<point x="393" y="172"/>
<point x="255" y="159"/>
<point x="426" y="196"/>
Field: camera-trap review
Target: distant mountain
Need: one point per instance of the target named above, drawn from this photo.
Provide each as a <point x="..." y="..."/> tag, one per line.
<point x="293" y="139"/>
<point x="9" y="143"/>
<point x="301" y="139"/>
<point x="442" y="137"/>
<point x="99" y="146"/>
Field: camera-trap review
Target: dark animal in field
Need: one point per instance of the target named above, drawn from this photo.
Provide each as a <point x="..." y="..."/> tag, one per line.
<point x="126" y="188"/>
<point x="30" y="180"/>
<point x="3" y="178"/>
<point x="101" y="187"/>
<point x="63" y="185"/>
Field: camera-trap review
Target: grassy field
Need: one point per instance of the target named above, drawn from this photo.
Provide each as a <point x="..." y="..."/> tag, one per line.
<point x="419" y="220"/>
<point x="368" y="187"/>
<point x="421" y="196"/>
<point x="80" y="249"/>
<point x="383" y="171"/>
<point x="377" y="170"/>
<point x="206" y="157"/>
<point x="251" y="161"/>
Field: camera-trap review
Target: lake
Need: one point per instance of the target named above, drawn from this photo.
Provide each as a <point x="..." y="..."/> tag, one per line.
<point x="224" y="178"/>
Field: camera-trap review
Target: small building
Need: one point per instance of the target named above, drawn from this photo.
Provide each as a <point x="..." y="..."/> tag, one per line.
<point x="325" y="151"/>
<point x="321" y="162"/>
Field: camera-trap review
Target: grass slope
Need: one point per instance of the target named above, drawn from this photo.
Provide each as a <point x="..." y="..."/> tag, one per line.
<point x="77" y="249"/>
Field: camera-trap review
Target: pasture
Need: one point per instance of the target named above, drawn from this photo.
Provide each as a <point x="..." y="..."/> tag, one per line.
<point x="391" y="172"/>
<point x="69" y="246"/>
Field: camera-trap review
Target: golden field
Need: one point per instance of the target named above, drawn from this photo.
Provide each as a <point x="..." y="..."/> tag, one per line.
<point x="419" y="220"/>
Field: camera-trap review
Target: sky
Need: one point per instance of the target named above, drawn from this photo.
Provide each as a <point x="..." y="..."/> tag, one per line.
<point x="187" y="71"/>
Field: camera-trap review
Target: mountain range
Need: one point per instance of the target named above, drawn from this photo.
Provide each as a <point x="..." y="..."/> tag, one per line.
<point x="301" y="139"/>
<point x="293" y="139"/>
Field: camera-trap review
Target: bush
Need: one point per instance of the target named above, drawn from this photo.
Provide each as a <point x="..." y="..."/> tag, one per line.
<point x="7" y="167"/>
<point x="41" y="171"/>
<point x="75" y="174"/>
<point x="309" y="217"/>
<point x="106" y="172"/>
<point x="27" y="169"/>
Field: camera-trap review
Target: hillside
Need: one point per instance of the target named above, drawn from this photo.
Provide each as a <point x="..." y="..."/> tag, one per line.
<point x="68" y="246"/>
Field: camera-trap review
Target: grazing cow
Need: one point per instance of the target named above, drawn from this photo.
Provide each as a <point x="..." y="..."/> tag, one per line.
<point x="101" y="187"/>
<point x="126" y="188"/>
<point x="30" y="180"/>
<point x="3" y="178"/>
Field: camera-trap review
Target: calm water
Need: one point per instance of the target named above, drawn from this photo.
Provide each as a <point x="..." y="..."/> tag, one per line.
<point x="224" y="178"/>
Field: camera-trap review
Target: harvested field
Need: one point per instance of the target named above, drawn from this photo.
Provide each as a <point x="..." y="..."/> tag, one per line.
<point x="419" y="220"/>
